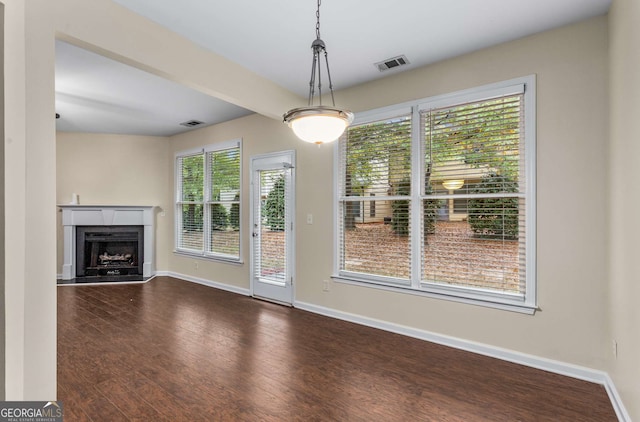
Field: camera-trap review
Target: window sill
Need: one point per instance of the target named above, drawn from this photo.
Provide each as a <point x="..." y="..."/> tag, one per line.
<point x="484" y="302"/>
<point x="214" y="258"/>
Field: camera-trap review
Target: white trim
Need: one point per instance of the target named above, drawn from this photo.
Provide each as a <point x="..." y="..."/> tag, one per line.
<point x="215" y="284"/>
<point x="189" y="152"/>
<point x="233" y="143"/>
<point x="530" y="119"/>
<point x="336" y="192"/>
<point x="439" y="292"/>
<point x="616" y="400"/>
<point x="384" y="113"/>
<point x="494" y="299"/>
<point x="107" y="215"/>
<point x="482" y="93"/>
<point x="206" y="201"/>
<point x="417" y="169"/>
<point x="549" y="365"/>
<point x="274" y="160"/>
<point x="227" y="259"/>
<point x="107" y="283"/>
<point x="102" y="283"/>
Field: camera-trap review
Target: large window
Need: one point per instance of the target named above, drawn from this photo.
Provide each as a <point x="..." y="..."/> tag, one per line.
<point x="208" y="201"/>
<point x="451" y="180"/>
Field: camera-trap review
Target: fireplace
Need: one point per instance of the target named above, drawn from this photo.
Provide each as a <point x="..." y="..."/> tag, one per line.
<point x="109" y="250"/>
<point x="108" y="243"/>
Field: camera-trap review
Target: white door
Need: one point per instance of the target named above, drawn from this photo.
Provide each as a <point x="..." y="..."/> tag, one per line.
<point x="272" y="199"/>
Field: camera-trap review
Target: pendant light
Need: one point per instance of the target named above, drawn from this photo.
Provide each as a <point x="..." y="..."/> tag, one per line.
<point x="453" y="184"/>
<point x="318" y="124"/>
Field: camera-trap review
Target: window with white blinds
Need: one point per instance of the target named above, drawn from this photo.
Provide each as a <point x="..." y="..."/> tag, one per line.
<point x="190" y="204"/>
<point x="208" y="201"/>
<point x="450" y="181"/>
<point x="376" y="175"/>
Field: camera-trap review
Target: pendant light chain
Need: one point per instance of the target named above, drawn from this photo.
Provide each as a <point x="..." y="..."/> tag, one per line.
<point x="317" y="123"/>
<point x="312" y="82"/>
<point x="318" y="47"/>
<point x="318" y="20"/>
<point x="326" y="58"/>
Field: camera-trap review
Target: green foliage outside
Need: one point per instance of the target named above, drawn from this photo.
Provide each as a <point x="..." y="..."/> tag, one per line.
<point x="274" y="206"/>
<point x="484" y="134"/>
<point x="224" y="176"/>
<point x="192" y="191"/>
<point x="494" y="217"/>
<point x="430" y="212"/>
<point x="219" y="217"/>
<point x="400" y="209"/>
<point x="234" y="213"/>
<point x="377" y="154"/>
<point x="225" y="172"/>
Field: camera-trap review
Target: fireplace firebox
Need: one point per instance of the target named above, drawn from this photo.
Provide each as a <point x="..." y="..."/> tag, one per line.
<point x="99" y="219"/>
<point x="109" y="251"/>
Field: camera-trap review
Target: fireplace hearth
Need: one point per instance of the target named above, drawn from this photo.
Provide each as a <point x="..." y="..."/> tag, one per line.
<point x="110" y="251"/>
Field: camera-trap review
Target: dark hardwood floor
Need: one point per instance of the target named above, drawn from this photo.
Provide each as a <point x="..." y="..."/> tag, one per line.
<point x="176" y="351"/>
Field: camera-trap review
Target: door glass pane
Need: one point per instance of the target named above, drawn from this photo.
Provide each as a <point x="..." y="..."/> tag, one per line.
<point x="271" y="251"/>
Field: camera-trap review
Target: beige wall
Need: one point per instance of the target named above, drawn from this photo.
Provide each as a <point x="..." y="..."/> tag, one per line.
<point x="571" y="67"/>
<point x="2" y="205"/>
<point x="14" y="164"/>
<point x="29" y="170"/>
<point x="624" y="201"/>
<point x="115" y="170"/>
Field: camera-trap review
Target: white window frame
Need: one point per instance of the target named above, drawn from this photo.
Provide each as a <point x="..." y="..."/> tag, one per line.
<point x="204" y="253"/>
<point x="518" y="303"/>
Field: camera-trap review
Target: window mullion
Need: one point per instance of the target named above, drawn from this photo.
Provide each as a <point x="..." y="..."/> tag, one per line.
<point x="529" y="130"/>
<point x="206" y="212"/>
<point x="417" y="187"/>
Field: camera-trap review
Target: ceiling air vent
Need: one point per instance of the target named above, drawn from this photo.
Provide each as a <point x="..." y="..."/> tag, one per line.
<point x="192" y="123"/>
<point x="392" y="63"/>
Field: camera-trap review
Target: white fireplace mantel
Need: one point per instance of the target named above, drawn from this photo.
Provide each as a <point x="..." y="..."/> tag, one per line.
<point x="106" y="215"/>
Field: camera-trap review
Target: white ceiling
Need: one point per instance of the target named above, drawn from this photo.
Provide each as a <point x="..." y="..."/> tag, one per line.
<point x="99" y="95"/>
<point x="273" y="39"/>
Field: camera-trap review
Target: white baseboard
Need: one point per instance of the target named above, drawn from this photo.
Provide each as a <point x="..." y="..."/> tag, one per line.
<point x="616" y="400"/>
<point x="557" y="367"/>
<point x="198" y="280"/>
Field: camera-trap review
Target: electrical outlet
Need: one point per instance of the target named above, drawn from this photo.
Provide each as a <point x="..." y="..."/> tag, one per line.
<point x="325" y="285"/>
<point x="309" y="218"/>
<point x="195" y="264"/>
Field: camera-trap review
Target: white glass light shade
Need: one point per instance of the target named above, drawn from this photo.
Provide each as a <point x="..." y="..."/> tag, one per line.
<point x="453" y="184"/>
<point x="319" y="124"/>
